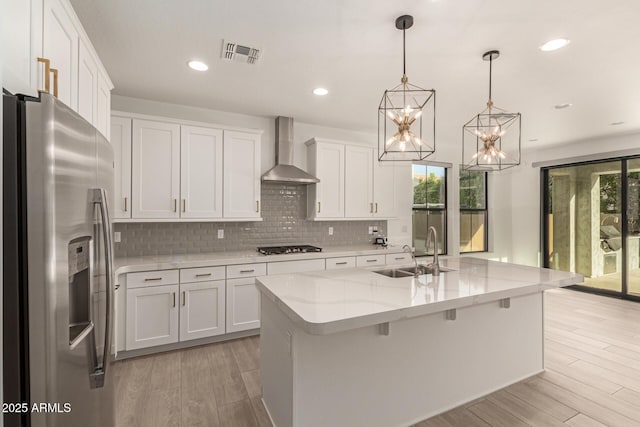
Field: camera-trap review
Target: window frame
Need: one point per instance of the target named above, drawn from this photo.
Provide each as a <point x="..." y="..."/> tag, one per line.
<point x="476" y="210"/>
<point x="443" y="210"/>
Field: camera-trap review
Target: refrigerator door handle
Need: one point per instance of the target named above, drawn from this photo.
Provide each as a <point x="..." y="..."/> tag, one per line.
<point x="97" y="377"/>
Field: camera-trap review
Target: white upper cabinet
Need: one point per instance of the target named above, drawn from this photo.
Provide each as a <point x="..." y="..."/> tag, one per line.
<point x="384" y="190"/>
<point x="21" y="29"/>
<point x="201" y="172"/>
<point x="353" y="184"/>
<point x="155" y="169"/>
<point x="358" y="180"/>
<point x="50" y="31"/>
<point x="87" y="83"/>
<point x="326" y="162"/>
<point x="103" y="105"/>
<point x="241" y="175"/>
<point x="121" y="143"/>
<point x="60" y="46"/>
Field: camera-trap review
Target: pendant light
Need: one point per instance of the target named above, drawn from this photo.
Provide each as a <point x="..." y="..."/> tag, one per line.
<point x="406" y="115"/>
<point x="491" y="139"/>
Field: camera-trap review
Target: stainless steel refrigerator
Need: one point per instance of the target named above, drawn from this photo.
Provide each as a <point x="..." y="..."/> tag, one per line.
<point x="58" y="269"/>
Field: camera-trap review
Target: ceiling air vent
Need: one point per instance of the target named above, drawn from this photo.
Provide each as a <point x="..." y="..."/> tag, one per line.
<point x="236" y="52"/>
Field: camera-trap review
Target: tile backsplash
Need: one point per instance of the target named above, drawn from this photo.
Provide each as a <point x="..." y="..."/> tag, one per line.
<point x="284" y="211"/>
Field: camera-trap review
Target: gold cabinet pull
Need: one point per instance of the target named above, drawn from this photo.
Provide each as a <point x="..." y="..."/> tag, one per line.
<point x="175" y="205"/>
<point x="125" y="204"/>
<point x="318" y="207"/>
<point x="184" y="298"/>
<point x="54" y="71"/>
<point x="376" y="211"/>
<point x="47" y="71"/>
<point x="203" y="275"/>
<point x="184" y="205"/>
<point x="152" y="279"/>
<point x="257" y="205"/>
<point x="371" y="207"/>
<point x="174" y="299"/>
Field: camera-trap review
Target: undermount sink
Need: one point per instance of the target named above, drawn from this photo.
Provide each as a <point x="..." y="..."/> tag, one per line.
<point x="408" y="271"/>
<point x="392" y="272"/>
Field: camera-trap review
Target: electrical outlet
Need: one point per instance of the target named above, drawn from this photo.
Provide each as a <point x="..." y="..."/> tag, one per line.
<point x="330" y="231"/>
<point x="375" y="228"/>
<point x="116" y="236"/>
<point x="221" y="233"/>
<point x="370" y="229"/>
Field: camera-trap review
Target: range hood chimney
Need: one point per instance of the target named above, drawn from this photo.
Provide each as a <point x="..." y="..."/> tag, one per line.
<point x="284" y="171"/>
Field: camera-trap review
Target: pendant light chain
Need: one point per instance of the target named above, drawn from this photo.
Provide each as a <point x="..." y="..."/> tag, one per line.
<point x="490" y="73"/>
<point x="404" y="54"/>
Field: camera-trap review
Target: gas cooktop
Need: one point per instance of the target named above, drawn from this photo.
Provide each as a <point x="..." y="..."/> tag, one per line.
<point x="293" y="249"/>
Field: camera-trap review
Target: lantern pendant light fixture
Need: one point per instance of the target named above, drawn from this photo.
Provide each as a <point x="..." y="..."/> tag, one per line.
<point x="406" y="115"/>
<point x="491" y="139"/>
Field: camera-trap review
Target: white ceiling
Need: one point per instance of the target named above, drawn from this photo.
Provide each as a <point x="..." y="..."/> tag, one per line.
<point x="353" y="49"/>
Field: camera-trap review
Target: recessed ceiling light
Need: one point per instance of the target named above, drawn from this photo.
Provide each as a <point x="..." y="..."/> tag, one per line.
<point x="554" y="44"/>
<point x="198" y="65"/>
<point x="562" y="106"/>
<point x="616" y="123"/>
<point x="320" y="91"/>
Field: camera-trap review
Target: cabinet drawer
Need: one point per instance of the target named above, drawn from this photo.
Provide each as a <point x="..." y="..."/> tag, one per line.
<point x="301" y="266"/>
<point x="341" y="262"/>
<point x="370" y="260"/>
<point x="202" y="274"/>
<point x="152" y="278"/>
<point x="398" y="258"/>
<point x="246" y="270"/>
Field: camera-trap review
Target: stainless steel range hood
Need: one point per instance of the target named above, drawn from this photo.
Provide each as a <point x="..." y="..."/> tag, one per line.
<point x="284" y="171"/>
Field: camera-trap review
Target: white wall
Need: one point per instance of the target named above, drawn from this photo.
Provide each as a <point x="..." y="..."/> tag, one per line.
<point x="399" y="230"/>
<point x="526" y="192"/>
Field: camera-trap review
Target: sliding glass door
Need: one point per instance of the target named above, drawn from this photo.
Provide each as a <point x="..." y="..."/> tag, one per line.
<point x="591" y="220"/>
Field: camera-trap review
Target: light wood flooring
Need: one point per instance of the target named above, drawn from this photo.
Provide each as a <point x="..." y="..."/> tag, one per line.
<point x="613" y="282"/>
<point x="592" y="378"/>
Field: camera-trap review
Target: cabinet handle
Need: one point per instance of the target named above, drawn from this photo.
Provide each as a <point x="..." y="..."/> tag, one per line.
<point x="125" y="204"/>
<point x="151" y="279"/>
<point x="376" y="211"/>
<point x="184" y="298"/>
<point x="247" y="271"/>
<point x="175" y="205"/>
<point x="371" y="260"/>
<point x="371" y="207"/>
<point x="257" y="205"/>
<point x="54" y="71"/>
<point x="174" y="299"/>
<point x="184" y="205"/>
<point x="116" y="287"/>
<point x="203" y="275"/>
<point x="318" y="207"/>
<point x="341" y="263"/>
<point x="47" y="71"/>
<point x="399" y="258"/>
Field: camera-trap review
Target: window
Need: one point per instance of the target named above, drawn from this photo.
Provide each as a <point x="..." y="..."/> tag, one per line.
<point x="429" y="206"/>
<point x="473" y="211"/>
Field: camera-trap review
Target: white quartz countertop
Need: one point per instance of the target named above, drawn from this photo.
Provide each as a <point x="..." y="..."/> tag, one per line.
<point x="166" y="262"/>
<point x="330" y="301"/>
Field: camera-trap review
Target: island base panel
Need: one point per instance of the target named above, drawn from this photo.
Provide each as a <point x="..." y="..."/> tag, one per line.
<point x="425" y="366"/>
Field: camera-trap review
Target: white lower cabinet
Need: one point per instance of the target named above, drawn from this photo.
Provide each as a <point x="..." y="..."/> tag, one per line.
<point x="152" y="316"/>
<point x="243" y="304"/>
<point x="202" y="308"/>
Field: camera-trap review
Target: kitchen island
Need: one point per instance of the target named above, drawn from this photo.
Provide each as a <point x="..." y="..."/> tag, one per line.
<point x="355" y="347"/>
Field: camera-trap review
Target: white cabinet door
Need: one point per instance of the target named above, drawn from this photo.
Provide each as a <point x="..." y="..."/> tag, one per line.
<point x="326" y="162"/>
<point x="243" y="304"/>
<point x="103" y="106"/>
<point x="155" y="169"/>
<point x="121" y="143"/>
<point x="241" y="175"/>
<point x="87" y="83"/>
<point x="21" y="30"/>
<point x="384" y="191"/>
<point x="60" y="45"/>
<point x="201" y="172"/>
<point x="152" y="316"/>
<point x="202" y="307"/>
<point x="358" y="182"/>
